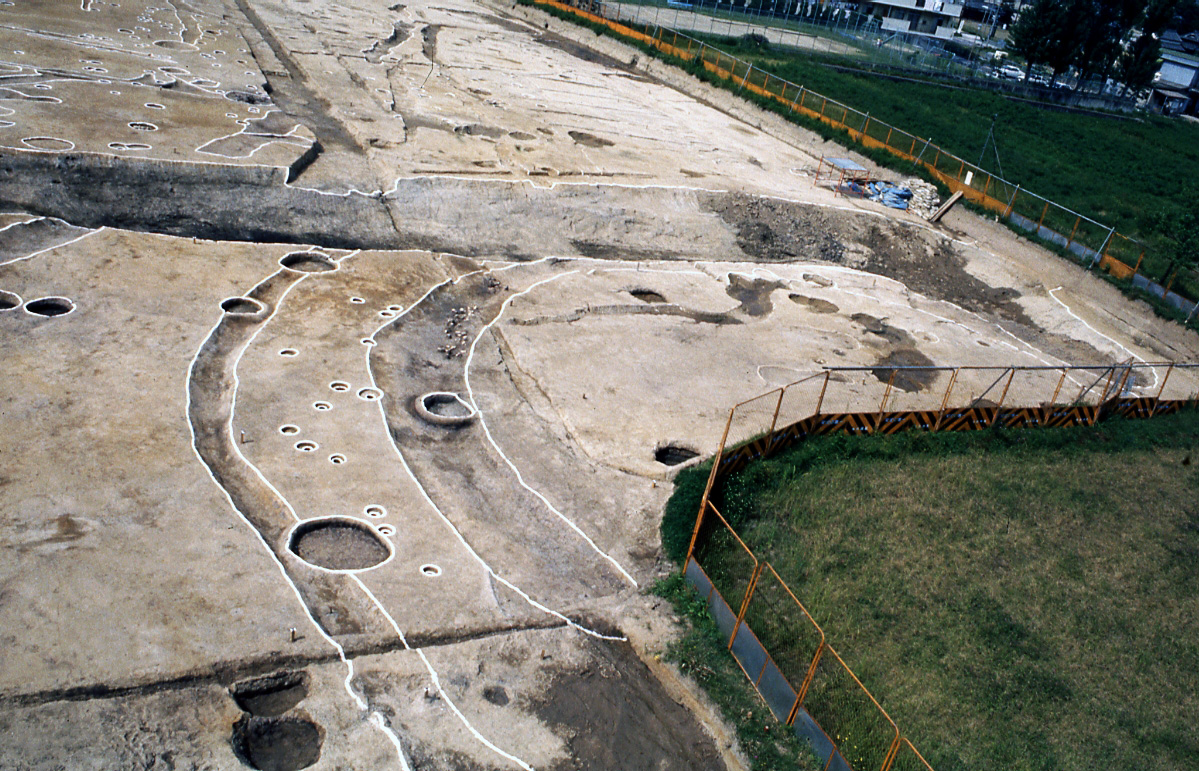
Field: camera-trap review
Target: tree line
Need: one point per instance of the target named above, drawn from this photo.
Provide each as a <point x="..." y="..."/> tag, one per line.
<point x="1099" y="38"/>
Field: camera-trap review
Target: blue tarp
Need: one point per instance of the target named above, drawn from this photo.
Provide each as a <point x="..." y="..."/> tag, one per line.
<point x="889" y="195"/>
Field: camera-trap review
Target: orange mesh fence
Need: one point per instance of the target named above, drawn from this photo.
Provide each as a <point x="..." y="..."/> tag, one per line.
<point x="773" y="638"/>
<point x="1085" y="240"/>
<point x="729" y="564"/>
<point x="909" y="759"/>
<point x="864" y="734"/>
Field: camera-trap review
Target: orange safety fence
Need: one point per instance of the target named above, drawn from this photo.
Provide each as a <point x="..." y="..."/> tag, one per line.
<point x="1084" y="239"/>
<point x="773" y="637"/>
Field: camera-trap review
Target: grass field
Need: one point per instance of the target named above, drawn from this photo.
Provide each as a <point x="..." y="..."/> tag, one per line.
<point x="1022" y="599"/>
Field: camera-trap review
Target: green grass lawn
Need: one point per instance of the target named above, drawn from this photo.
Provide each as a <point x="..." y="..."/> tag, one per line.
<point x="1021" y="599"/>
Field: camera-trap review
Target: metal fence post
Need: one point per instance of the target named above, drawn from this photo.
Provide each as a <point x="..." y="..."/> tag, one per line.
<point x="1074" y="232"/>
<point x="778" y="405"/>
<point x="1003" y="395"/>
<point x="1101" y="253"/>
<point x="823" y="388"/>
<point x="703" y="503"/>
<point x="1162" y="390"/>
<point x="945" y="400"/>
<point x="1012" y="203"/>
<point x="882" y="406"/>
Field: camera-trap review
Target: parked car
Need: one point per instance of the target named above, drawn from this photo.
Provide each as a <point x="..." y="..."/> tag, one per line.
<point x="1011" y="72"/>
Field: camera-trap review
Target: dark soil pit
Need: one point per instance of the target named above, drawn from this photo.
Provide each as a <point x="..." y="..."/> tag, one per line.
<point x="673" y="454"/>
<point x="338" y="544"/>
<point x="909" y="380"/>
<point x="752" y="293"/>
<point x="647" y="295"/>
<point x="901" y="255"/>
<point x="277" y="743"/>
<point x="880" y="328"/>
<point x="589" y="140"/>
<point x="308" y="262"/>
<point x="479" y="130"/>
<point x="814" y="304"/>
<point x="613" y="713"/>
<point x="496" y="695"/>
<point x="50" y="306"/>
<point x="773" y="231"/>
<point x="9" y="300"/>
<point x="270" y="695"/>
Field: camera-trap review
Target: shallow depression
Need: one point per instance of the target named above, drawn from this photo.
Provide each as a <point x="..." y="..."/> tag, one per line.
<point x="308" y="262"/>
<point x="338" y="544"/>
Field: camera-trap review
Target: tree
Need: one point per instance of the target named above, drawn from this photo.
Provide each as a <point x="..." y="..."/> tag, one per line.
<point x="1101" y="28"/>
<point x="1186" y="17"/>
<point x="1138" y="63"/>
<point x="1042" y="34"/>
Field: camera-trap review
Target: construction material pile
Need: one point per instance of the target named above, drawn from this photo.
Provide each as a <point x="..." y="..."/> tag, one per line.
<point x="924" y="200"/>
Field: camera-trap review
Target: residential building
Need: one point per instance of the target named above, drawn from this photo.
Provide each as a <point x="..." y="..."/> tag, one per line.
<point x="1176" y="85"/>
<point x="932" y="18"/>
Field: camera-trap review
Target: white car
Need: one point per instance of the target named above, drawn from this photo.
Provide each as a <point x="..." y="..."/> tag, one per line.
<point x="1011" y="72"/>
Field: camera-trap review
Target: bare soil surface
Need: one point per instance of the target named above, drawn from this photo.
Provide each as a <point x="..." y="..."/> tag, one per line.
<point x="239" y="240"/>
<point x="782" y="231"/>
<point x="616" y="715"/>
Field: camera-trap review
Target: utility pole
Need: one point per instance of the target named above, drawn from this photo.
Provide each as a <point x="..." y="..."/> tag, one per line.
<point x="990" y="140"/>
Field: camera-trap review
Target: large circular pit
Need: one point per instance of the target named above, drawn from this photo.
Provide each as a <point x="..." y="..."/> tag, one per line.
<point x="338" y="543"/>
<point x="443" y="408"/>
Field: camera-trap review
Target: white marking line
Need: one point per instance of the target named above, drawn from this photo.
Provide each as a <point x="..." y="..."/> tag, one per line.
<point x="237" y="385"/>
<point x="23" y="222"/>
<point x="425" y="494"/>
<point x="377" y="719"/>
<point x="483" y="422"/>
<point x="1105" y="337"/>
<point x="437" y="680"/>
<point x="52" y="248"/>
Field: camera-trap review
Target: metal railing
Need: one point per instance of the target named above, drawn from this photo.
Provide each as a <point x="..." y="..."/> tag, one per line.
<point x="1085" y="240"/>
<point x="773" y="637"/>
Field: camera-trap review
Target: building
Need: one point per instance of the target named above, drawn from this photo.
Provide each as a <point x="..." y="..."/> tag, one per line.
<point x="1176" y="85"/>
<point x="932" y="18"/>
<point x="1186" y="44"/>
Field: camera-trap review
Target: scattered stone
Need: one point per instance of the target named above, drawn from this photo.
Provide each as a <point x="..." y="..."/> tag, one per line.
<point x="925" y="199"/>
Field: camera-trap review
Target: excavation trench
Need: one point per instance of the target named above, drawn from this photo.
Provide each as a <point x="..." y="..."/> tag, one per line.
<point x="419" y="362"/>
<point x="331" y="598"/>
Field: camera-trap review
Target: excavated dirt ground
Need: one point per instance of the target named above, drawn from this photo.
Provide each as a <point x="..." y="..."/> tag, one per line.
<point x="240" y="240"/>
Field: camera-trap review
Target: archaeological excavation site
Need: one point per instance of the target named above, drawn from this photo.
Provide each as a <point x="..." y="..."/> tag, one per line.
<point x="350" y="351"/>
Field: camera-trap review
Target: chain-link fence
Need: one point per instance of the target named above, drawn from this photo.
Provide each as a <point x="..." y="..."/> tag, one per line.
<point x="1086" y="241"/>
<point x="777" y="643"/>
